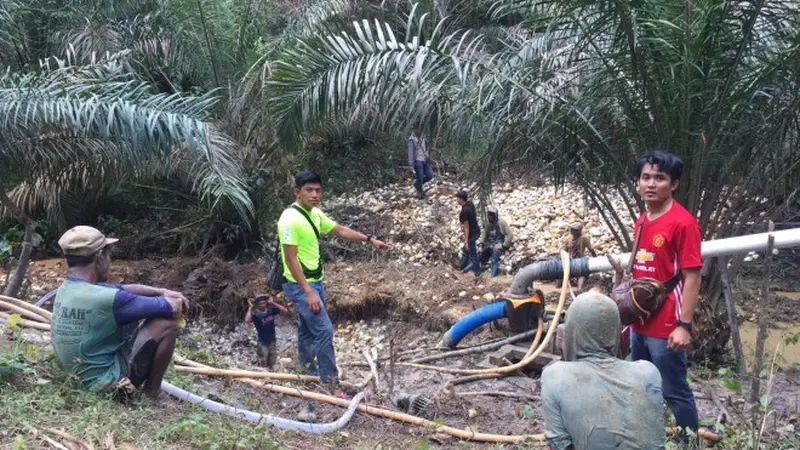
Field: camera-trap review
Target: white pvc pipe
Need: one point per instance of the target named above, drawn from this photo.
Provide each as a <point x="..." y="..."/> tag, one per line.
<point x="718" y="247"/>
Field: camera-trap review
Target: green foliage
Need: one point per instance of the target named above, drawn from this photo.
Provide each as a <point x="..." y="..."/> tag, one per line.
<point x="19" y="443"/>
<point x="198" y="432"/>
<point x="583" y="87"/>
<point x="14" y="362"/>
<point x="422" y="445"/>
<point x="728" y="380"/>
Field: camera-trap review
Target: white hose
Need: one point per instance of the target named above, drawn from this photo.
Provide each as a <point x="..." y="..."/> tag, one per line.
<point x="317" y="428"/>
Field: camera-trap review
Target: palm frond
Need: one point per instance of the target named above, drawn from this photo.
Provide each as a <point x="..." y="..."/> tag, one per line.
<point x="91" y="114"/>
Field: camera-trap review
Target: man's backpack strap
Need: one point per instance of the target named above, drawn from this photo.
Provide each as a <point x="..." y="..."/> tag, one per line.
<point x="308" y="218"/>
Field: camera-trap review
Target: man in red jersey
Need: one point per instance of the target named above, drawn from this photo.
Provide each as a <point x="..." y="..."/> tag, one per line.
<point x="669" y="245"/>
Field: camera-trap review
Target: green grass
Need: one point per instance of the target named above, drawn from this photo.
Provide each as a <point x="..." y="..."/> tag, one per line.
<point x="35" y="392"/>
<point x="29" y="401"/>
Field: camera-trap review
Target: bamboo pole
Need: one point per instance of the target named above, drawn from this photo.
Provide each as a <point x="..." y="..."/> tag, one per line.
<point x="29" y="306"/>
<point x="28" y="323"/>
<point x="23" y="312"/>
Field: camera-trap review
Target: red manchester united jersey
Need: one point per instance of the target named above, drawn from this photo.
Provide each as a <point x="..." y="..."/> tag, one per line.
<point x="668" y="244"/>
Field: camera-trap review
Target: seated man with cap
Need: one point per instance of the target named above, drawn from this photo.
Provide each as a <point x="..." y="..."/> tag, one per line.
<point x="576" y="244"/>
<point x="105" y="334"/>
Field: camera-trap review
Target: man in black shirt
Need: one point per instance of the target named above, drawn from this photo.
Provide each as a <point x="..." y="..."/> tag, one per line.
<point x="469" y="225"/>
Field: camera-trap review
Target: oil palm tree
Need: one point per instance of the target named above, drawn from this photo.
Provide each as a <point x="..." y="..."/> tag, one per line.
<point x="71" y="126"/>
<point x="583" y="87"/>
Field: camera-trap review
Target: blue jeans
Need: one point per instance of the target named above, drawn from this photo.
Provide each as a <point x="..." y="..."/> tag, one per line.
<point x="492" y="254"/>
<point x="314" y="333"/>
<point x="474" y="263"/>
<point x="672" y="366"/>
<point x="423" y="172"/>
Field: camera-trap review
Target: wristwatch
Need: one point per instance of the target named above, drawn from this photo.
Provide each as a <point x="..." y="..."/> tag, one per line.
<point x="369" y="236"/>
<point x="687" y="325"/>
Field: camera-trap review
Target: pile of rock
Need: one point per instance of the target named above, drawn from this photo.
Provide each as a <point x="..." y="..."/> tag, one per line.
<point x="428" y="230"/>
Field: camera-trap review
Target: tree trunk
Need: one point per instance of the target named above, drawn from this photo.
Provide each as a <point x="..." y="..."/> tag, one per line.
<point x="736" y="338"/>
<point x="763" y="324"/>
<point x="12" y="289"/>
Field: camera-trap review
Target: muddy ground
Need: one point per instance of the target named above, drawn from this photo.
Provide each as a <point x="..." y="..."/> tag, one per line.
<point x="373" y="303"/>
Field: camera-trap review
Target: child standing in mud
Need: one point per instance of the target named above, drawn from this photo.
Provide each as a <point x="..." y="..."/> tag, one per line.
<point x="263" y="319"/>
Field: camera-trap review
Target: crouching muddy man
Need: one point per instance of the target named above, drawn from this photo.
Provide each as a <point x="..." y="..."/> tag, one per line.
<point x="577" y="244"/>
<point x="299" y="228"/>
<point x="263" y="319"/>
<point x="593" y="400"/>
<point x="111" y="335"/>
<point x="419" y="158"/>
<point x="495" y="239"/>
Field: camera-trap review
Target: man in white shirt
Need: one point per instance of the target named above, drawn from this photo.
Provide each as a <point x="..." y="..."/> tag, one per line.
<point x="419" y="158"/>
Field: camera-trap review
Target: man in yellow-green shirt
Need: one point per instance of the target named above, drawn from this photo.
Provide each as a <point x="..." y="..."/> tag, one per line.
<point x="299" y="228"/>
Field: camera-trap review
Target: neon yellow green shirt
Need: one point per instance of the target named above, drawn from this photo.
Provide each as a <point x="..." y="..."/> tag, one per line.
<point x="294" y="229"/>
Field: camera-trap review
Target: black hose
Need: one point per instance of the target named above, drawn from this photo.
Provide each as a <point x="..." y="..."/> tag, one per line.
<point x="546" y="270"/>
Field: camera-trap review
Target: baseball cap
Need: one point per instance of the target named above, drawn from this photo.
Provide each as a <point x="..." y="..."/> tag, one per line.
<point x="576" y="226"/>
<point x="83" y="240"/>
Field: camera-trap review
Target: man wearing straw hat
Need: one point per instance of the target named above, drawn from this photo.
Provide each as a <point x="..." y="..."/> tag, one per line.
<point x="577" y="244"/>
<point x="111" y="335"/>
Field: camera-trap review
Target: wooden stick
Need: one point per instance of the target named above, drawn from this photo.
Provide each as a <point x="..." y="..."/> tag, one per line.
<point x="27" y="323"/>
<point x="394" y="415"/>
<point x="468" y="379"/>
<point x="23" y="312"/>
<point x="498" y="394"/>
<point x="763" y="324"/>
<point x="29" y="306"/>
<point x="718" y="403"/>
<point x="186" y="366"/>
<point x="69" y="437"/>
<point x="392" y="358"/>
<point x="373" y="368"/>
<point x="481" y="348"/>
<point x="730" y="305"/>
<point x="46" y="438"/>
<point x="702" y="432"/>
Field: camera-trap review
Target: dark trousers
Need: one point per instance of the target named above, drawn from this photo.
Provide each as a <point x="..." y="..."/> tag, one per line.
<point x="492" y="252"/>
<point x="473" y="263"/>
<point x="423" y="172"/>
<point x="672" y="366"/>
